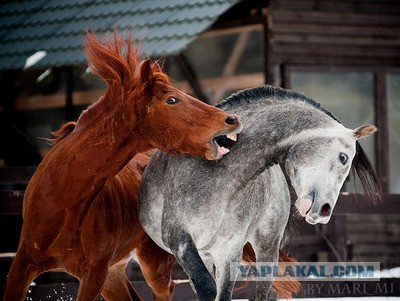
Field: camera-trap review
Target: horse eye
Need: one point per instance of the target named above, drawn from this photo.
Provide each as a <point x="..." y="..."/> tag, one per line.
<point x="172" y="101"/>
<point x="343" y="158"/>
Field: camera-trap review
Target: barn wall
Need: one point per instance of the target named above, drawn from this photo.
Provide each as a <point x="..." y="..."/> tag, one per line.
<point x="360" y="36"/>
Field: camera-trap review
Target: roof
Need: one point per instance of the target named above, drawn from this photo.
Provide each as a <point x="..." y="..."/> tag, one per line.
<point x="55" y="28"/>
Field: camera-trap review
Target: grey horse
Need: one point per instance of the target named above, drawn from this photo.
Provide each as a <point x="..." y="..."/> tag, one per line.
<point x="204" y="212"/>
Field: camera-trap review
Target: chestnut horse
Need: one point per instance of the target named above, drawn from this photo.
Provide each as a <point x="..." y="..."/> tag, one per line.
<point x="118" y="203"/>
<point x="67" y="225"/>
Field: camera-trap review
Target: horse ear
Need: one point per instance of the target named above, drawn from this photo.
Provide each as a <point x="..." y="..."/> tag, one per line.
<point x="364" y="131"/>
<point x="146" y="71"/>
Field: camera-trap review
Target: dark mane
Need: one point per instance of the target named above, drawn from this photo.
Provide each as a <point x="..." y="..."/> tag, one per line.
<point x="267" y="93"/>
<point x="361" y="165"/>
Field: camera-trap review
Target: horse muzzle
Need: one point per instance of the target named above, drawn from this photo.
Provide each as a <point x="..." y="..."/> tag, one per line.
<point x="314" y="218"/>
<point x="313" y="211"/>
<point x="222" y="141"/>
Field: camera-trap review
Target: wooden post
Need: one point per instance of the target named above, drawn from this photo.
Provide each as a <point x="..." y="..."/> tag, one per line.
<point x="268" y="42"/>
<point x="69" y="106"/>
<point x="382" y="137"/>
<point x="285" y="76"/>
<point x="337" y="235"/>
<point x="191" y="77"/>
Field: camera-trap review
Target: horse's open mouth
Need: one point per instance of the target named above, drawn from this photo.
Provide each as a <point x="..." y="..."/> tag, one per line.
<point x="222" y="144"/>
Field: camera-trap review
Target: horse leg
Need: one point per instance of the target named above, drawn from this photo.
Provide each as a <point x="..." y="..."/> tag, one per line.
<point x="92" y="281"/>
<point x="117" y="286"/>
<point x="156" y="266"/>
<point x="226" y="281"/>
<point x="266" y="251"/>
<point x="23" y="271"/>
<point x="187" y="255"/>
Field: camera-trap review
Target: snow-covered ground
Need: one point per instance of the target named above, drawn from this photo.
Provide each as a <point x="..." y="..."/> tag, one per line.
<point x="391" y="273"/>
<point x="350" y="299"/>
<point x="61" y="294"/>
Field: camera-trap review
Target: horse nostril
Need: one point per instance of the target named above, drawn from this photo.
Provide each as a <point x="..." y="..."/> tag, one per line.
<point x="326" y="210"/>
<point x="231" y="120"/>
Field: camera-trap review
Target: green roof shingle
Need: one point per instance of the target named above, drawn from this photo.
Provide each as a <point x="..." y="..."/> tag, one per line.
<point x="57" y="27"/>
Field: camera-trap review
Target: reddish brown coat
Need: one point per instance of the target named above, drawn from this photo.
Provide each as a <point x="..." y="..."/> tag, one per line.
<point x="68" y="222"/>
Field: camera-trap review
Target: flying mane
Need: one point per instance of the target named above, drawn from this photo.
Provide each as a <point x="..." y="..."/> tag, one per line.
<point x="117" y="61"/>
<point x="265" y="95"/>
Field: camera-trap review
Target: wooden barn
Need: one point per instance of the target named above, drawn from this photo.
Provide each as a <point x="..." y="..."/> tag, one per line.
<point x="345" y="54"/>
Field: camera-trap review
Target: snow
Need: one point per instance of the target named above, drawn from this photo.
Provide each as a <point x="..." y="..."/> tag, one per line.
<point x="349" y="299"/>
<point x="392" y="273"/>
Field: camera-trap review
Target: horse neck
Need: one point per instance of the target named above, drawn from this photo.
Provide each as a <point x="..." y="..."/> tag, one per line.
<point x="105" y="137"/>
<point x="270" y="132"/>
<point x="104" y="140"/>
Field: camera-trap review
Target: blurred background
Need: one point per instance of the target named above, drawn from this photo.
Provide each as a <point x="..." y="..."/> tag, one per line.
<point x="344" y="54"/>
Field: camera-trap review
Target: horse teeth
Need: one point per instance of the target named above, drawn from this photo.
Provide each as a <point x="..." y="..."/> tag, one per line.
<point x="222" y="150"/>
<point x="232" y="136"/>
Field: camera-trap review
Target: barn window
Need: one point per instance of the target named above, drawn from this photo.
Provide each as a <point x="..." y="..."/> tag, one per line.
<point x="393" y="97"/>
<point x="358" y="97"/>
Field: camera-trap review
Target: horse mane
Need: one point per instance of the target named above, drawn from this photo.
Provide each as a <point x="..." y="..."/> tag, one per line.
<point x="362" y="165"/>
<point x="267" y="94"/>
<point x="60" y="134"/>
<point x="117" y="61"/>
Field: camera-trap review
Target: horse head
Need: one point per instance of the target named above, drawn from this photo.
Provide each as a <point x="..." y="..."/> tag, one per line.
<point x="318" y="164"/>
<point x="159" y="115"/>
<point x="178" y="123"/>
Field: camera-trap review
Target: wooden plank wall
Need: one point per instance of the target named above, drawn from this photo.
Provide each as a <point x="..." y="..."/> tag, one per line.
<point x="375" y="238"/>
<point x="356" y="34"/>
<point x="343" y="32"/>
